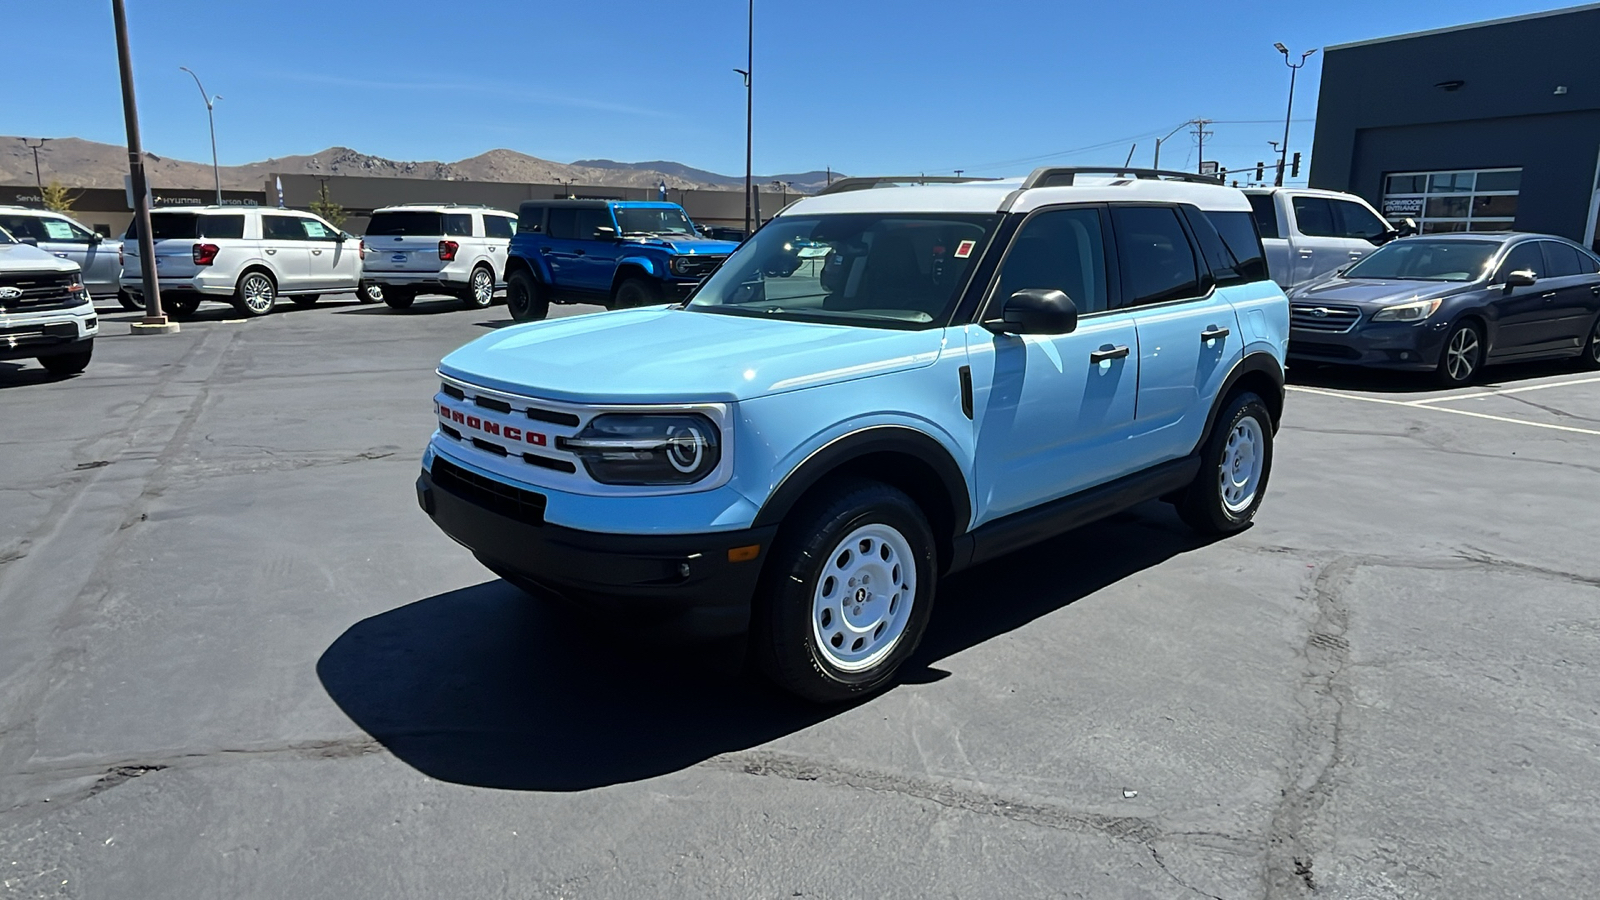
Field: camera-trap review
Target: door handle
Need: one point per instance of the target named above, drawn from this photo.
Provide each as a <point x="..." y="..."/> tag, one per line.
<point x="1549" y="296"/>
<point x="577" y="253"/>
<point x="1212" y="333"/>
<point x="1106" y="354"/>
<point x="545" y="250"/>
<point x="1305" y="253"/>
<point x="316" y="253"/>
<point x="270" y="252"/>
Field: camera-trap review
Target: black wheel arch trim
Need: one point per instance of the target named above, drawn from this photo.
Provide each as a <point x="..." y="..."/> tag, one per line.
<point x="1260" y="362"/>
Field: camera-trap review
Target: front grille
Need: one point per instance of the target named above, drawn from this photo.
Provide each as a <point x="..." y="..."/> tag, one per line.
<point x="1325" y="351"/>
<point x="1324" y="319"/>
<point x="39" y="290"/>
<point x="526" y="507"/>
<point x="553" y="417"/>
<point x="696" y="266"/>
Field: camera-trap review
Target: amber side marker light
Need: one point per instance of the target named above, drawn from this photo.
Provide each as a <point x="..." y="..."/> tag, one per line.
<point x="744" y="554"/>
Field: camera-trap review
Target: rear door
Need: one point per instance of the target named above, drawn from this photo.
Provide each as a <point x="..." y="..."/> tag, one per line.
<point x="283" y="240"/>
<point x="1188" y="331"/>
<point x="404" y="241"/>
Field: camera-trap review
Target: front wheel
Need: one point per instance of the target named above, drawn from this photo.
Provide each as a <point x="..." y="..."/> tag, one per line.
<point x="306" y="301"/>
<point x="255" y="295"/>
<point x="1462" y="357"/>
<point x="846" y="594"/>
<point x="480" y="289"/>
<point x="179" y="306"/>
<point x="369" y="292"/>
<point x="525" y="297"/>
<point x="130" y="301"/>
<point x="1234" y="465"/>
<point x="634" y="292"/>
<point x="63" y="364"/>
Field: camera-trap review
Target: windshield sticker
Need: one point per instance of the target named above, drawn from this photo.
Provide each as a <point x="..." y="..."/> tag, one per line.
<point x="57" y="230"/>
<point x="964" y="249"/>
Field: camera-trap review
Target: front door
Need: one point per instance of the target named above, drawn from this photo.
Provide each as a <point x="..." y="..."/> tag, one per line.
<point x="330" y="262"/>
<point x="283" y="242"/>
<point x="68" y="240"/>
<point x="1320" y="245"/>
<point x="595" y="260"/>
<point x="1051" y="412"/>
<point x="1520" y="311"/>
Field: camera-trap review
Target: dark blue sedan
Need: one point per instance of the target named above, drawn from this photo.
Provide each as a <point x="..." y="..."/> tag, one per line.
<point x="1452" y="303"/>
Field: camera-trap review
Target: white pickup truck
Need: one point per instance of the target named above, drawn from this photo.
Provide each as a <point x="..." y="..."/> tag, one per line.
<point x="1307" y="232"/>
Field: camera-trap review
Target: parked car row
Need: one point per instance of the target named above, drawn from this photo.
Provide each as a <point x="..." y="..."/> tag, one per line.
<point x="46" y="312"/>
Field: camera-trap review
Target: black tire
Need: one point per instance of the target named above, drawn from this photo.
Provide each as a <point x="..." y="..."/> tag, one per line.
<point x="636" y="291"/>
<point x="180" y="306"/>
<point x="306" y="301"/>
<point x="399" y="297"/>
<point x="1459" y="366"/>
<point x="480" y="289"/>
<point x="63" y="364"/>
<point x="369" y="292"/>
<point x="130" y="301"/>
<point x="1590" y="358"/>
<point x="256" y="293"/>
<point x="788" y="630"/>
<point x="526" y="298"/>
<point x="1206" y="506"/>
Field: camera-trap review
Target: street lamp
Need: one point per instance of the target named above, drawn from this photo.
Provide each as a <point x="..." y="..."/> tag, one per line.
<point x="210" y="101"/>
<point x="749" y="109"/>
<point x="29" y="143"/>
<point x="1157" y="163"/>
<point x="1294" y="69"/>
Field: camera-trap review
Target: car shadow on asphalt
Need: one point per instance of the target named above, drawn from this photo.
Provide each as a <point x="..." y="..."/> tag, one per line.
<point x="25" y="373"/>
<point x="487" y="686"/>
<point x="1381" y="381"/>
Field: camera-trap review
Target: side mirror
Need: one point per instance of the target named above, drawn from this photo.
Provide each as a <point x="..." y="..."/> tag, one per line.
<point x="605" y="233"/>
<point x="31" y="242"/>
<point x="1036" y="311"/>
<point x="1521" y="278"/>
<point x="96" y="238"/>
<point x="340" y="236"/>
<point x="1408" y="227"/>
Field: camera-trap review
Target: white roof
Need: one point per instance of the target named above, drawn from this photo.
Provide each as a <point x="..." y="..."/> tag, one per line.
<point x="993" y="196"/>
<point x="442" y="207"/>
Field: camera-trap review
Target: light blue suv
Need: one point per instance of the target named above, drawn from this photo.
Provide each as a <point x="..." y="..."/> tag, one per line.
<point x="889" y="382"/>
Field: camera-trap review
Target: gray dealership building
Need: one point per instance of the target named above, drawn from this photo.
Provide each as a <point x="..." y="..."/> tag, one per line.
<point x="1492" y="126"/>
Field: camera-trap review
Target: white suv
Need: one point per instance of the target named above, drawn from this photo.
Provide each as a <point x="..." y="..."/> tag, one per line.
<point x="442" y="248"/>
<point x="248" y="256"/>
<point x="45" y="313"/>
<point x="98" y="259"/>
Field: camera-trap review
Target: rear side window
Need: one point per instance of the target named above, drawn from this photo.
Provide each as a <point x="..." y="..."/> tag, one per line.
<point x="564" y="223"/>
<point x="1314" y="216"/>
<point x="1063" y="249"/>
<point x="1266" y="214"/>
<point x="222" y="226"/>
<point x="1157" y="261"/>
<point x="458" y="224"/>
<point x="405" y="223"/>
<point x="1356" y="221"/>
<point x="1587" y="264"/>
<point x="1238" y="233"/>
<point x="1560" y="259"/>
<point x="498" y="226"/>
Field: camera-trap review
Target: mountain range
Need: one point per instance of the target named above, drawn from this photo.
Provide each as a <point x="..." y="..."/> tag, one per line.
<point x="87" y="164"/>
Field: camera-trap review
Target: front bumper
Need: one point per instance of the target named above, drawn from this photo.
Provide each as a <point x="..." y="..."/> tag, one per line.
<point x="1386" y="345"/>
<point x="31" y="335"/>
<point x="687" y="577"/>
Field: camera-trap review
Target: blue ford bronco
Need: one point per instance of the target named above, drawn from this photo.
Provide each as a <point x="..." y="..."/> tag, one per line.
<point x="889" y="382"/>
<point x="618" y="253"/>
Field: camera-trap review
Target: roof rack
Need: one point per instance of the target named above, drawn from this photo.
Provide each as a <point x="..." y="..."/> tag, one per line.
<point x="1062" y="176"/>
<point x="860" y="184"/>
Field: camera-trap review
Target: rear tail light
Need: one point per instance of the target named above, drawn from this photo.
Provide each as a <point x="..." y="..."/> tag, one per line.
<point x="205" y="254"/>
<point x="361" y="246"/>
<point x="447" y="250"/>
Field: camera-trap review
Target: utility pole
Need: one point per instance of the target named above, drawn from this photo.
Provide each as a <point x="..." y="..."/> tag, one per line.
<point x="749" y="111"/>
<point x="154" y="322"/>
<point x="959" y="171"/>
<point x="1294" y="69"/>
<point x="1200" y="133"/>
<point x="215" y="172"/>
<point x="29" y="143"/>
<point x="830" y="175"/>
<point x="1157" y="163"/>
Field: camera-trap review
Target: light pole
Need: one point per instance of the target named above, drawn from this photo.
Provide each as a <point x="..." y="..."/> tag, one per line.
<point x="154" y="322"/>
<point x="215" y="173"/>
<point x="1157" y="163"/>
<point x="1294" y="69"/>
<point x="29" y="143"/>
<point x="749" y="109"/>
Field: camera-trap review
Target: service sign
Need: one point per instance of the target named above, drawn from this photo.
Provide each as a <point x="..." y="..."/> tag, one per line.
<point x="1402" y="207"/>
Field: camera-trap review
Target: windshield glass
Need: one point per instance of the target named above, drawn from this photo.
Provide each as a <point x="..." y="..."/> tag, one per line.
<point x="402" y="224"/>
<point x="6" y="238"/>
<point x="1419" y="259"/>
<point x="890" y="270"/>
<point x="653" y="221"/>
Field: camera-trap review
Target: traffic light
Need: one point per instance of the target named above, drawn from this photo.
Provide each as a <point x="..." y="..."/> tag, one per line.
<point x="1294" y="166"/>
<point x="1261" y="171"/>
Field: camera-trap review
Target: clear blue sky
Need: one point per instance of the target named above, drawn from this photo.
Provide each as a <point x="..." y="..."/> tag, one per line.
<point x="864" y="86"/>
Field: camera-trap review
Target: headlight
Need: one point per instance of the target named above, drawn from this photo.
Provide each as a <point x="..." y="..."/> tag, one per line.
<point x="679" y="265"/>
<point x="1415" y="311"/>
<point x="647" y="448"/>
<point x="75" y="288"/>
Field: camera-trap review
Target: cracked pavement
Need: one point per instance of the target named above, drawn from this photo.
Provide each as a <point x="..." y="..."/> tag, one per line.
<point x="237" y="661"/>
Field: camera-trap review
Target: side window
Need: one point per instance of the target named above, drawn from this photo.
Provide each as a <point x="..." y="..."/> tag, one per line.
<point x="23" y="227"/>
<point x="1523" y="256"/>
<point x="498" y="226"/>
<point x="530" y="220"/>
<point x="1314" y="216"/>
<point x="1559" y="259"/>
<point x="1238" y="232"/>
<point x="591" y="218"/>
<point x="1156" y="260"/>
<point x="564" y="223"/>
<point x="1587" y="264"/>
<point x="62" y="230"/>
<point x="316" y="231"/>
<point x="1356" y="221"/>
<point x="1264" y="206"/>
<point x="1062" y="249"/>
<point x="458" y="224"/>
<point x="282" y="228"/>
<point x="222" y="226"/>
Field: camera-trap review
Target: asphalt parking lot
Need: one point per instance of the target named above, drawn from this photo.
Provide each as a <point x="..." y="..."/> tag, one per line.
<point x="236" y="661"/>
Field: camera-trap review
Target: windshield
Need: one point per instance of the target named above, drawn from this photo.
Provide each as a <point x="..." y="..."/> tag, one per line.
<point x="890" y="270"/>
<point x="1419" y="259"/>
<point x="654" y="221"/>
<point x="6" y="238"/>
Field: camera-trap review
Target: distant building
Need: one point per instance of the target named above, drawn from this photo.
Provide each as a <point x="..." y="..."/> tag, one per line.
<point x="1484" y="127"/>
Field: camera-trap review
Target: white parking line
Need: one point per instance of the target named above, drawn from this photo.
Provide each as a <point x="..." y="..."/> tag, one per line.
<point x="1411" y="404"/>
<point x="1515" y="390"/>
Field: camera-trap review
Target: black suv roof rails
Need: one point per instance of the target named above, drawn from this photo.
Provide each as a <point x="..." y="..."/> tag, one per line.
<point x="860" y="184"/>
<point x="1062" y="176"/>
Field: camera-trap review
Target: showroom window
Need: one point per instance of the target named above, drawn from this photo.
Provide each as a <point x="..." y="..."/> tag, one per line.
<point x="1471" y="200"/>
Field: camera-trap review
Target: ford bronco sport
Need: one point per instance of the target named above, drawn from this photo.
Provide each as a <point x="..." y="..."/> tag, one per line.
<point x="884" y="385"/>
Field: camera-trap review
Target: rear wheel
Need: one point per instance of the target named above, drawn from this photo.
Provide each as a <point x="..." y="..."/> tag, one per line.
<point x="306" y="301"/>
<point x="1591" y="352"/>
<point x="636" y="292"/>
<point x="1234" y="465"/>
<point x="399" y="297"/>
<point x="179" y="306"/>
<point x="130" y="301"/>
<point x="480" y="289"/>
<point x="846" y="593"/>
<point x="256" y="294"/>
<point x="63" y="364"/>
<point x="526" y="299"/>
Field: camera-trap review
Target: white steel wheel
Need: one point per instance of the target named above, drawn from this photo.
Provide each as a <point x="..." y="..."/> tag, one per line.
<point x="257" y="294"/>
<point x="1243" y="460"/>
<point x="862" y="599"/>
<point x="481" y="288"/>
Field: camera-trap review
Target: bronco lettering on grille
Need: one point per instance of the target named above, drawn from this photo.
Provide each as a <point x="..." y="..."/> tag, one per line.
<point x="509" y="432"/>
